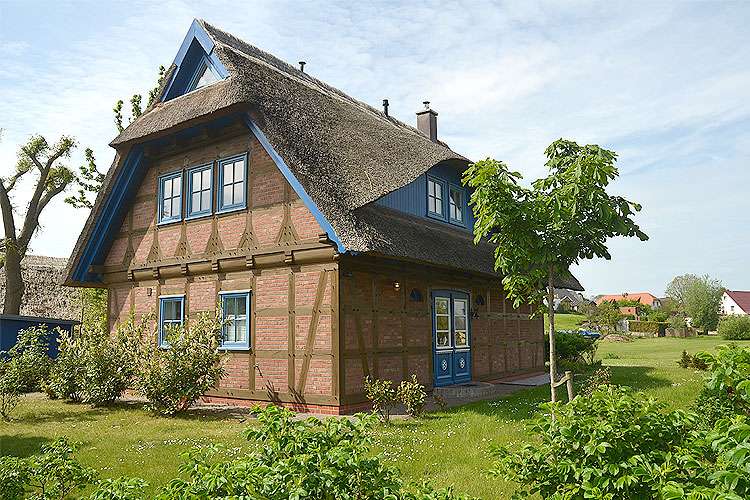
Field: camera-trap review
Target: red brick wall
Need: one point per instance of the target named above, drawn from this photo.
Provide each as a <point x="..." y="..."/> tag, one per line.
<point x="396" y="332"/>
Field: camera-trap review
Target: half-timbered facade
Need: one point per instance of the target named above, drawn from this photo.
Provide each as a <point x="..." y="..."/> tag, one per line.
<point x="335" y="239"/>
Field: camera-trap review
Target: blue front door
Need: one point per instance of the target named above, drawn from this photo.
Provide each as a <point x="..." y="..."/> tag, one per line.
<point x="451" y="337"/>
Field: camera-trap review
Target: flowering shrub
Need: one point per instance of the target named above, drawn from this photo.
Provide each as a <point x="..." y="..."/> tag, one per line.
<point x="382" y="395"/>
<point x="412" y="395"/>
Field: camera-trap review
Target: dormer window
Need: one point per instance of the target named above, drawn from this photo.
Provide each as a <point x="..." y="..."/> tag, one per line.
<point x="435" y="196"/>
<point x="456" y="204"/>
<point x="203" y="77"/>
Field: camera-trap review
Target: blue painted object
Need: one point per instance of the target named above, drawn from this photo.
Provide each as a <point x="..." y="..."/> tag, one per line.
<point x="11" y="324"/>
<point x="451" y="340"/>
<point x="589" y="334"/>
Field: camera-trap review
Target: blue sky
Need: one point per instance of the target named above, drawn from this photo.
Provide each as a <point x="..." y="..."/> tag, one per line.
<point x="666" y="85"/>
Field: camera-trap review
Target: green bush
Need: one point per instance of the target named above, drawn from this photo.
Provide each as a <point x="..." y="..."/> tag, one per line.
<point x="10" y="394"/>
<point x="28" y="359"/>
<point x="600" y="378"/>
<point x="572" y="347"/>
<point x="412" y="395"/>
<point x="94" y="366"/>
<point x="382" y="395"/>
<point x="729" y="374"/>
<point x="735" y="327"/>
<point x="173" y="378"/>
<point x="712" y="406"/>
<point x="653" y="327"/>
<point x="694" y="362"/>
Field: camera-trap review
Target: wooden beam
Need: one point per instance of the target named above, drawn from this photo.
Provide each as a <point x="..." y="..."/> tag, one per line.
<point x="310" y="342"/>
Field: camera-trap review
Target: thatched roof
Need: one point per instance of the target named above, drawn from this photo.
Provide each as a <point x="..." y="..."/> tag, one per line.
<point x="344" y="153"/>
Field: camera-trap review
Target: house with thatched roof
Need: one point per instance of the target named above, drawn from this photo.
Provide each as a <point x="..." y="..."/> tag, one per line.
<point x="337" y="239"/>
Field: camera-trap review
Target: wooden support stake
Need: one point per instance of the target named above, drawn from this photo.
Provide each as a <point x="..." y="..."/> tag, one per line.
<point x="569" y="384"/>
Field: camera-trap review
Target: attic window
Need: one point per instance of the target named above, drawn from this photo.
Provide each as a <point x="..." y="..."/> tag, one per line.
<point x="203" y="77"/>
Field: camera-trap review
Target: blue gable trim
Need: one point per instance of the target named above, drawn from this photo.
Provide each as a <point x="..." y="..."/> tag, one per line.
<point x="292" y="180"/>
<point x="129" y="179"/>
<point x="196" y="47"/>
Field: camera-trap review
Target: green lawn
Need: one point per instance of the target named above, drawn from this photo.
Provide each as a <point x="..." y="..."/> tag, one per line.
<point x="447" y="448"/>
<point x="565" y="321"/>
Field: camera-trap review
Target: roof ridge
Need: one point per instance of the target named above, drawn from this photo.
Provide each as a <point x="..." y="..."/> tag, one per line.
<point x="290" y="71"/>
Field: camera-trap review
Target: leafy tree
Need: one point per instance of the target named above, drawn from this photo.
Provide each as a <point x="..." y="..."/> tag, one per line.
<point x="699" y="297"/>
<point x="539" y="232"/>
<point x="136" y="101"/>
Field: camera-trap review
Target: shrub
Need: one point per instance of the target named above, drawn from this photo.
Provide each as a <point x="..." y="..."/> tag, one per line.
<point x="9" y="392"/>
<point x="647" y="327"/>
<point x="173" y="378"/>
<point x="712" y="406"/>
<point x="29" y="358"/>
<point x="601" y="377"/>
<point x="412" y="395"/>
<point x="573" y="347"/>
<point x="735" y="327"/>
<point x="55" y="473"/>
<point x="382" y="395"/>
<point x="95" y="366"/>
<point x="677" y="322"/>
<point x="122" y="488"/>
<point x="694" y="362"/>
<point x="602" y="446"/>
<point x="14" y="476"/>
<point x="729" y="374"/>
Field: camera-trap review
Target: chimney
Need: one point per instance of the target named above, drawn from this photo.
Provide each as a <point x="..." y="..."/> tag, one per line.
<point x="427" y="121"/>
<point x="385" y="106"/>
<point x="302" y="66"/>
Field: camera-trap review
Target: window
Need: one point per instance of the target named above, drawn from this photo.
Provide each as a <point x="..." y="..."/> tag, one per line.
<point x="171" y="311"/>
<point x="456" y="204"/>
<point x="232" y="183"/>
<point x="442" y="322"/>
<point x="200" y="193"/>
<point x="460" y="319"/>
<point x="235" y="308"/>
<point x="205" y="75"/>
<point x="435" y="189"/>
<point x="170" y="197"/>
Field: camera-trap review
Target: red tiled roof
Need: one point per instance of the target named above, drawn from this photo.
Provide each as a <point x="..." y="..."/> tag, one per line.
<point x="741" y="298"/>
<point x="643" y="297"/>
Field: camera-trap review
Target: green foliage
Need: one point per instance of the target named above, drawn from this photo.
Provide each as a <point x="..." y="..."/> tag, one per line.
<point x="412" y="395"/>
<point x="712" y="406"/>
<point x="561" y="219"/>
<point x="122" y="488"/>
<point x="173" y="378"/>
<point x="9" y="393"/>
<point x="694" y="362"/>
<point x="600" y="378"/>
<point x="94" y="306"/>
<point x="677" y="322"/>
<point x="699" y="298"/>
<point x="573" y="347"/>
<point x="647" y="327"/>
<point x="28" y="361"/>
<point x="94" y="366"/>
<point x="658" y="316"/>
<point x="89" y="181"/>
<point x="735" y="327"/>
<point x="604" y="316"/>
<point x="382" y="395"/>
<point x="136" y="100"/>
<point x="729" y="374"/>
<point x="14" y="475"/>
<point x="55" y="473"/>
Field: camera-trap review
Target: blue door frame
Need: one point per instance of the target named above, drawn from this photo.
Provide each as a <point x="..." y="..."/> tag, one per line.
<point x="451" y="337"/>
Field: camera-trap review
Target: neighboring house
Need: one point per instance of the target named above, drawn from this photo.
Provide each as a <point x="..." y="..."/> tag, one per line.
<point x="735" y="302"/>
<point x="569" y="300"/>
<point x="642" y="297"/>
<point x="336" y="238"/>
<point x="44" y="296"/>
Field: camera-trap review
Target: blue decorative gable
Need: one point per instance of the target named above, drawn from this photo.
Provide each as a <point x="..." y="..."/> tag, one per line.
<point x="195" y="62"/>
<point x="413" y="198"/>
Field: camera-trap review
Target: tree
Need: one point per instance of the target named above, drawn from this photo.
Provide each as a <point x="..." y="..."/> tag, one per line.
<point x="539" y="232"/>
<point x="699" y="298"/>
<point x="47" y="160"/>
<point x="136" y="109"/>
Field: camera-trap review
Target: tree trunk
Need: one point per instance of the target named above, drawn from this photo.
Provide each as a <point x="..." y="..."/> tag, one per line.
<point x="13" y="282"/>
<point x="551" y="314"/>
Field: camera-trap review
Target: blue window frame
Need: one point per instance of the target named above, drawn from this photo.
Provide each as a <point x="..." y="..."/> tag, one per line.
<point x="235" y="310"/>
<point x="232" y="183"/>
<point x="436" y="193"/>
<point x="200" y="191"/>
<point x="456" y="203"/>
<point x="170" y="197"/>
<point x="204" y="75"/>
<point x="171" y="314"/>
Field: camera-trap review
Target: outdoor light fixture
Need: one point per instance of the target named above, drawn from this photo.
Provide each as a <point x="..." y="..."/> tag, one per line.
<point x="396" y="285"/>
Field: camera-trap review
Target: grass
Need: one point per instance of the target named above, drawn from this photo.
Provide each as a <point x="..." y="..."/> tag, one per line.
<point x="565" y="321"/>
<point x="448" y="448"/>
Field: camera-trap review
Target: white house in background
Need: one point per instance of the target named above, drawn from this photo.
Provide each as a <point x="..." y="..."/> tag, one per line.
<point x="735" y="302"/>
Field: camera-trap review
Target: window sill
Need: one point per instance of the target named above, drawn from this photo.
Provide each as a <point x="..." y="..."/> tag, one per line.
<point x="234" y="208"/>
<point x="201" y="215"/>
<point x="435" y="216"/>
<point x="231" y="348"/>
<point x="168" y="222"/>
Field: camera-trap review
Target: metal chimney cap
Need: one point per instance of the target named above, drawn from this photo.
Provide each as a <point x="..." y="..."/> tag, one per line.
<point x="302" y="66"/>
<point x="426" y="104"/>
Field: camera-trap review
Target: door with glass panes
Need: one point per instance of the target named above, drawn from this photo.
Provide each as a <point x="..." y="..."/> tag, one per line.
<point x="451" y="337"/>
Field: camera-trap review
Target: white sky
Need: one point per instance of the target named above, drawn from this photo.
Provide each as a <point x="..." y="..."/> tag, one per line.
<point x="666" y="85"/>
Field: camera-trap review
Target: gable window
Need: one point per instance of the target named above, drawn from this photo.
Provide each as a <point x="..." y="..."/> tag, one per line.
<point x="171" y="312"/>
<point x="200" y="190"/>
<point x="170" y="197"/>
<point x="232" y="173"/>
<point x="435" y="196"/>
<point x="456" y="204"/>
<point x="204" y="75"/>
<point x="235" y="307"/>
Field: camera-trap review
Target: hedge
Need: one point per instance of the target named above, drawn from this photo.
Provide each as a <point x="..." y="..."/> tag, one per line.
<point x="655" y="327"/>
